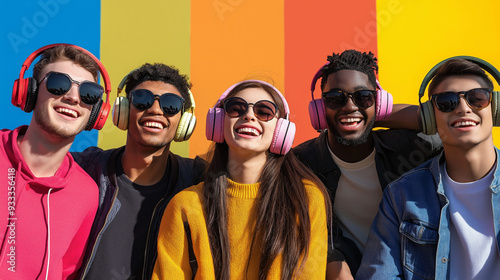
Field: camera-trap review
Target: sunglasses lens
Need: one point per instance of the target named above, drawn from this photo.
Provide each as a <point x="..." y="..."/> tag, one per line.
<point x="478" y="97"/>
<point x="171" y="104"/>
<point x="364" y="98"/>
<point x="446" y="101"/>
<point x="334" y="99"/>
<point x="90" y="93"/>
<point x="264" y="110"/>
<point x="142" y="99"/>
<point x="235" y="107"/>
<point x="58" y="83"/>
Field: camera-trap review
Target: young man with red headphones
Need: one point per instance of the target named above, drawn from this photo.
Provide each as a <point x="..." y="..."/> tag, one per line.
<point x="354" y="162"/>
<point x="441" y="220"/>
<point x="49" y="202"/>
<point x="137" y="181"/>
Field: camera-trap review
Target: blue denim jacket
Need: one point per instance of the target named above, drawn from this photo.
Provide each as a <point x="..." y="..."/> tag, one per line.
<point x="397" y="151"/>
<point x="410" y="236"/>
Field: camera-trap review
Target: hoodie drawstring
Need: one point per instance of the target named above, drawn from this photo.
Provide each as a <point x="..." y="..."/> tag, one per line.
<point x="48" y="234"/>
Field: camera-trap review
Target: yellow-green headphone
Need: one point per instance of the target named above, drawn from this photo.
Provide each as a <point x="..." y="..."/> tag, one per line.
<point x="427" y="109"/>
<point x="121" y="111"/>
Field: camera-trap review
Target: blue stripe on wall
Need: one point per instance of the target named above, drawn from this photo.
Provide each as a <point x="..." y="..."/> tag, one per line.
<point x="26" y="26"/>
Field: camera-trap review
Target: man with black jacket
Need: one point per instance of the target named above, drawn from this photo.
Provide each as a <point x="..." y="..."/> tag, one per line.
<point x="354" y="162"/>
<point x="137" y="180"/>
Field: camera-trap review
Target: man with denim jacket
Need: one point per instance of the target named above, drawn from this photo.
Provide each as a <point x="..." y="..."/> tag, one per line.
<point x="354" y="162"/>
<point x="442" y="219"/>
<point x="137" y="180"/>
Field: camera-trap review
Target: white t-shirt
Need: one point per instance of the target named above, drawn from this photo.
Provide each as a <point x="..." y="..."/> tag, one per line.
<point x="357" y="198"/>
<point x="473" y="251"/>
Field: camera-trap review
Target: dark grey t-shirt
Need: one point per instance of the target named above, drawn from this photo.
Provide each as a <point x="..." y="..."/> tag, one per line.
<point x="121" y="251"/>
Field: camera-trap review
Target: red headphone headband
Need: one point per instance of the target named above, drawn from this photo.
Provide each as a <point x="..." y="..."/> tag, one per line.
<point x="35" y="54"/>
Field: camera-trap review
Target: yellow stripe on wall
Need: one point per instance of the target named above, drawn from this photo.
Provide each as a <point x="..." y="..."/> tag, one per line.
<point x="136" y="32"/>
<point x="413" y="36"/>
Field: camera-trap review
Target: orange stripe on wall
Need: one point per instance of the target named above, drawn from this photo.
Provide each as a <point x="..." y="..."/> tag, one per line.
<point x="232" y="40"/>
<point x="314" y="30"/>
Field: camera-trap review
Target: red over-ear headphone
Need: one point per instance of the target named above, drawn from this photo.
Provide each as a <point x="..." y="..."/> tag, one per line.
<point x="25" y="90"/>
<point x="317" y="111"/>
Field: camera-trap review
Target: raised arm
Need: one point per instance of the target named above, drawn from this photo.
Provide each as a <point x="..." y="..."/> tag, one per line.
<point x="403" y="116"/>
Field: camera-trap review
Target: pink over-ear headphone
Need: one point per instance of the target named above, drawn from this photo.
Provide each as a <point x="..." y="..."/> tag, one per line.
<point x="317" y="112"/>
<point x="284" y="132"/>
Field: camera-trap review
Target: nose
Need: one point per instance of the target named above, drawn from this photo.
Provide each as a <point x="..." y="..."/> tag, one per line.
<point x="350" y="106"/>
<point x="249" y="114"/>
<point x="73" y="95"/>
<point x="463" y="106"/>
<point x="155" y="108"/>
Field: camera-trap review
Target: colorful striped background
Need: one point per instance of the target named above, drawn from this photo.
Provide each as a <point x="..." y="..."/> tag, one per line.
<point x="220" y="42"/>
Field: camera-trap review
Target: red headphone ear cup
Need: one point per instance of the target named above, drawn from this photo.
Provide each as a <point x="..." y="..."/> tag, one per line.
<point x="94" y="115"/>
<point x="24" y="89"/>
<point x="317" y="114"/>
<point x="102" y="116"/>
<point x="31" y="95"/>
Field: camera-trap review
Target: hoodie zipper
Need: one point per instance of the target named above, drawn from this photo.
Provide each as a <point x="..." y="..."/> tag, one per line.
<point x="144" y="267"/>
<point x="99" y="234"/>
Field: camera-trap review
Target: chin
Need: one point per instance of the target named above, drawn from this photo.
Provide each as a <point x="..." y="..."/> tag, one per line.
<point x="352" y="142"/>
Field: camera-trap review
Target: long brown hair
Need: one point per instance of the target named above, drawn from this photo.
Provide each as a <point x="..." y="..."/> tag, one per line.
<point x="282" y="223"/>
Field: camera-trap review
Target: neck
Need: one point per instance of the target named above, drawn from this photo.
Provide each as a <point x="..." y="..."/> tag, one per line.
<point x="470" y="164"/>
<point x="350" y="153"/>
<point x="42" y="151"/>
<point x="145" y="167"/>
<point x="246" y="169"/>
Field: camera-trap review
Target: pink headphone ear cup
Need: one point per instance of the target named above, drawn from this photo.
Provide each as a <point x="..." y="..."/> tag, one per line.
<point x="384" y="104"/>
<point x="215" y="125"/>
<point x="283" y="137"/>
<point x="317" y="114"/>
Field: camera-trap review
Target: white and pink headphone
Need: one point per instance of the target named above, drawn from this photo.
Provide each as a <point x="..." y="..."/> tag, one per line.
<point x="317" y="112"/>
<point x="284" y="132"/>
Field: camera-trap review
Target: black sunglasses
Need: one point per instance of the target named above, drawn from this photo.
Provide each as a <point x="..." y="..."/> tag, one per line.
<point x="60" y="83"/>
<point x="337" y="98"/>
<point x="263" y="110"/>
<point x="477" y="98"/>
<point x="170" y="103"/>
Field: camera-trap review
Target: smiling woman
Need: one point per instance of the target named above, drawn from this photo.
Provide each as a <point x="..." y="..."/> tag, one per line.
<point x="232" y="218"/>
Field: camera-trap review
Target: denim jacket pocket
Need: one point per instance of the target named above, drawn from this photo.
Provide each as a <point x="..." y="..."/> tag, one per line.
<point x="419" y="245"/>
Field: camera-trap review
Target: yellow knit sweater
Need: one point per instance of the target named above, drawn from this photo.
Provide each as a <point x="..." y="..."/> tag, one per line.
<point x="188" y="205"/>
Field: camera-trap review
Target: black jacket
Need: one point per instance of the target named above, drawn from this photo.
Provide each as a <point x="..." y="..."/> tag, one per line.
<point x="100" y="165"/>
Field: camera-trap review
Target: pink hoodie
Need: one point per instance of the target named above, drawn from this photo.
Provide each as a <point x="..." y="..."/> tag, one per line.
<point x="46" y="220"/>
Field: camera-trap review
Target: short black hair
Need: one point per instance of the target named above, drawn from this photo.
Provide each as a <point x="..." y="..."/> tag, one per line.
<point x="351" y="60"/>
<point x="459" y="67"/>
<point x="163" y="73"/>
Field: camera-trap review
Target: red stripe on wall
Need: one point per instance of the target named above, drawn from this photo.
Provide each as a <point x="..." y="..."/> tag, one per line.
<point x="314" y="30"/>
